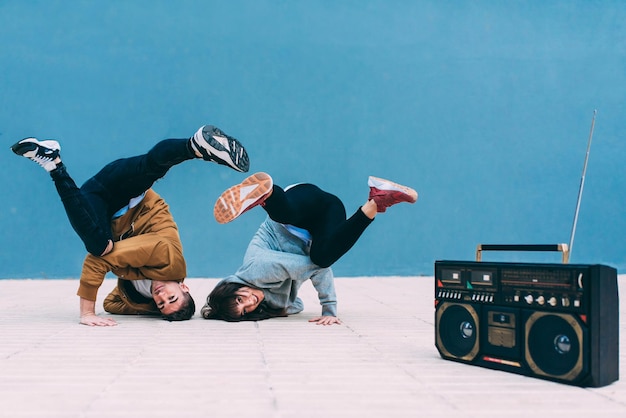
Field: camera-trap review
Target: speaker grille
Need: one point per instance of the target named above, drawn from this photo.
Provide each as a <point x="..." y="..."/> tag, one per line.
<point x="457" y="335"/>
<point x="554" y="345"/>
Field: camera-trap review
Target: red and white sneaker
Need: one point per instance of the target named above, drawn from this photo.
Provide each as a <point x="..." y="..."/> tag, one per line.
<point x="242" y="197"/>
<point x="387" y="193"/>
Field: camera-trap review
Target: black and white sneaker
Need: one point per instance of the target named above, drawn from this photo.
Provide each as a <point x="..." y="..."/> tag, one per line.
<point x="215" y="145"/>
<point x="43" y="153"/>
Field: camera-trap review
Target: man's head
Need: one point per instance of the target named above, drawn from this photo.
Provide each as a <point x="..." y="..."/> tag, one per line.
<point x="173" y="300"/>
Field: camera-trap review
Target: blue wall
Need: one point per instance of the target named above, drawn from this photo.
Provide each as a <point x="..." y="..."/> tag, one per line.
<point x="484" y="107"/>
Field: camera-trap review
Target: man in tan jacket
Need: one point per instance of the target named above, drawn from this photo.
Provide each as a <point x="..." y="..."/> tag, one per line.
<point x="127" y="228"/>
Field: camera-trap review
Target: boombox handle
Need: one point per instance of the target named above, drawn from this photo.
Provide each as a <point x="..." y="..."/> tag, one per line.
<point x="523" y="247"/>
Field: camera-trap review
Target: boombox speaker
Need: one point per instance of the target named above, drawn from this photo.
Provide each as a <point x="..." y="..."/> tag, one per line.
<point x="553" y="321"/>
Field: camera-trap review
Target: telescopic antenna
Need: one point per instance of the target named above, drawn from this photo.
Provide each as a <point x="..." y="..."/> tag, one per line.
<point x="582" y="183"/>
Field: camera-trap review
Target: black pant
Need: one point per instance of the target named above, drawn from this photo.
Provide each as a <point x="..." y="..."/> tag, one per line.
<point x="91" y="207"/>
<point x="323" y="215"/>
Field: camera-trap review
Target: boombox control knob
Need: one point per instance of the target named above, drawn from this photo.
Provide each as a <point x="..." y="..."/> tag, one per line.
<point x="529" y="299"/>
<point x="541" y="300"/>
<point x="552" y="301"/>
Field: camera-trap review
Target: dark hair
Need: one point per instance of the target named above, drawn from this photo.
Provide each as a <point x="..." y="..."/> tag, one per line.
<point x="186" y="311"/>
<point x="221" y="304"/>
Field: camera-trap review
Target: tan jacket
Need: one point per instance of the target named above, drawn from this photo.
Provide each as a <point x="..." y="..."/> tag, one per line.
<point x="126" y="300"/>
<point x="151" y="248"/>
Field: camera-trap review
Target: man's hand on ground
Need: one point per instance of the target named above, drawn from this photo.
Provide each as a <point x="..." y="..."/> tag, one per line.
<point x="88" y="315"/>
<point x="96" y="321"/>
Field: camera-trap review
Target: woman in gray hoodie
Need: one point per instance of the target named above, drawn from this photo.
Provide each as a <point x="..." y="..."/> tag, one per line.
<point x="305" y="233"/>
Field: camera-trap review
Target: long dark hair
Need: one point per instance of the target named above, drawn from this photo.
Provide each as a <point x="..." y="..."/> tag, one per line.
<point x="221" y="304"/>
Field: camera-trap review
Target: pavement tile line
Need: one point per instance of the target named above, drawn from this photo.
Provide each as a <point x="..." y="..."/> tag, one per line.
<point x="266" y="367"/>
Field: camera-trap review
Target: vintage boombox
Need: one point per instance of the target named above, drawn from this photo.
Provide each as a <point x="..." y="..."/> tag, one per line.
<point x="554" y="321"/>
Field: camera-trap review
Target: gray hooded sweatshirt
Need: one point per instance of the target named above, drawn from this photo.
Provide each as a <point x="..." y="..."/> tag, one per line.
<point x="278" y="262"/>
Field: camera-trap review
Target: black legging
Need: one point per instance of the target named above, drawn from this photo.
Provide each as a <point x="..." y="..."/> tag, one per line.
<point x="323" y="215"/>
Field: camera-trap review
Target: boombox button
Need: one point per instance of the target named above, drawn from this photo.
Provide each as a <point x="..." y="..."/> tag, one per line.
<point x="552" y="301"/>
<point x="577" y="303"/>
<point x="529" y="299"/>
<point x="541" y="300"/>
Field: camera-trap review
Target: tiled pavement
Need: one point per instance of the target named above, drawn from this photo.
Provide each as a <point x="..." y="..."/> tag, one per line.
<point x="382" y="362"/>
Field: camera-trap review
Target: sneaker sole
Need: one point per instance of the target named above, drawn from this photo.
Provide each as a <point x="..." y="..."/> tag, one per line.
<point x="382" y="184"/>
<point x="223" y="150"/>
<point x="242" y="197"/>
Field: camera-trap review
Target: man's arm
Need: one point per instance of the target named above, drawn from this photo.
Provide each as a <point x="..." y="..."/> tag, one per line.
<point x="88" y="315"/>
<point x="148" y="253"/>
<point x="92" y="276"/>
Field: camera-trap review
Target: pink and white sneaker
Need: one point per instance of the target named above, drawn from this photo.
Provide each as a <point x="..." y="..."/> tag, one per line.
<point x="387" y="193"/>
<point x="242" y="197"/>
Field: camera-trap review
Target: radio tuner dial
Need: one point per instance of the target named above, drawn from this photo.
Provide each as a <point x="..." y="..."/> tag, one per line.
<point x="552" y="301"/>
<point x="529" y="299"/>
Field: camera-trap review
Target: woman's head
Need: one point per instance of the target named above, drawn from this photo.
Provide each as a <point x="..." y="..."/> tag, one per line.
<point x="238" y="302"/>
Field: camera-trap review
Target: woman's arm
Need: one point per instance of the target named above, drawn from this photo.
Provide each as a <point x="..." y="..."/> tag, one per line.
<point x="324" y="282"/>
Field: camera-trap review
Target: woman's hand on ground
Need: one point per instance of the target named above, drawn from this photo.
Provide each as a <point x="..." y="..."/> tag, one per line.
<point x="326" y="320"/>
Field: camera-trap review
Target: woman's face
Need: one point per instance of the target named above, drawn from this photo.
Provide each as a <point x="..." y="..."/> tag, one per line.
<point x="248" y="299"/>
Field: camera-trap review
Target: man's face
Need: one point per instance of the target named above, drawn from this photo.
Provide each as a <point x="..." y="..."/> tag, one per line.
<point x="168" y="296"/>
